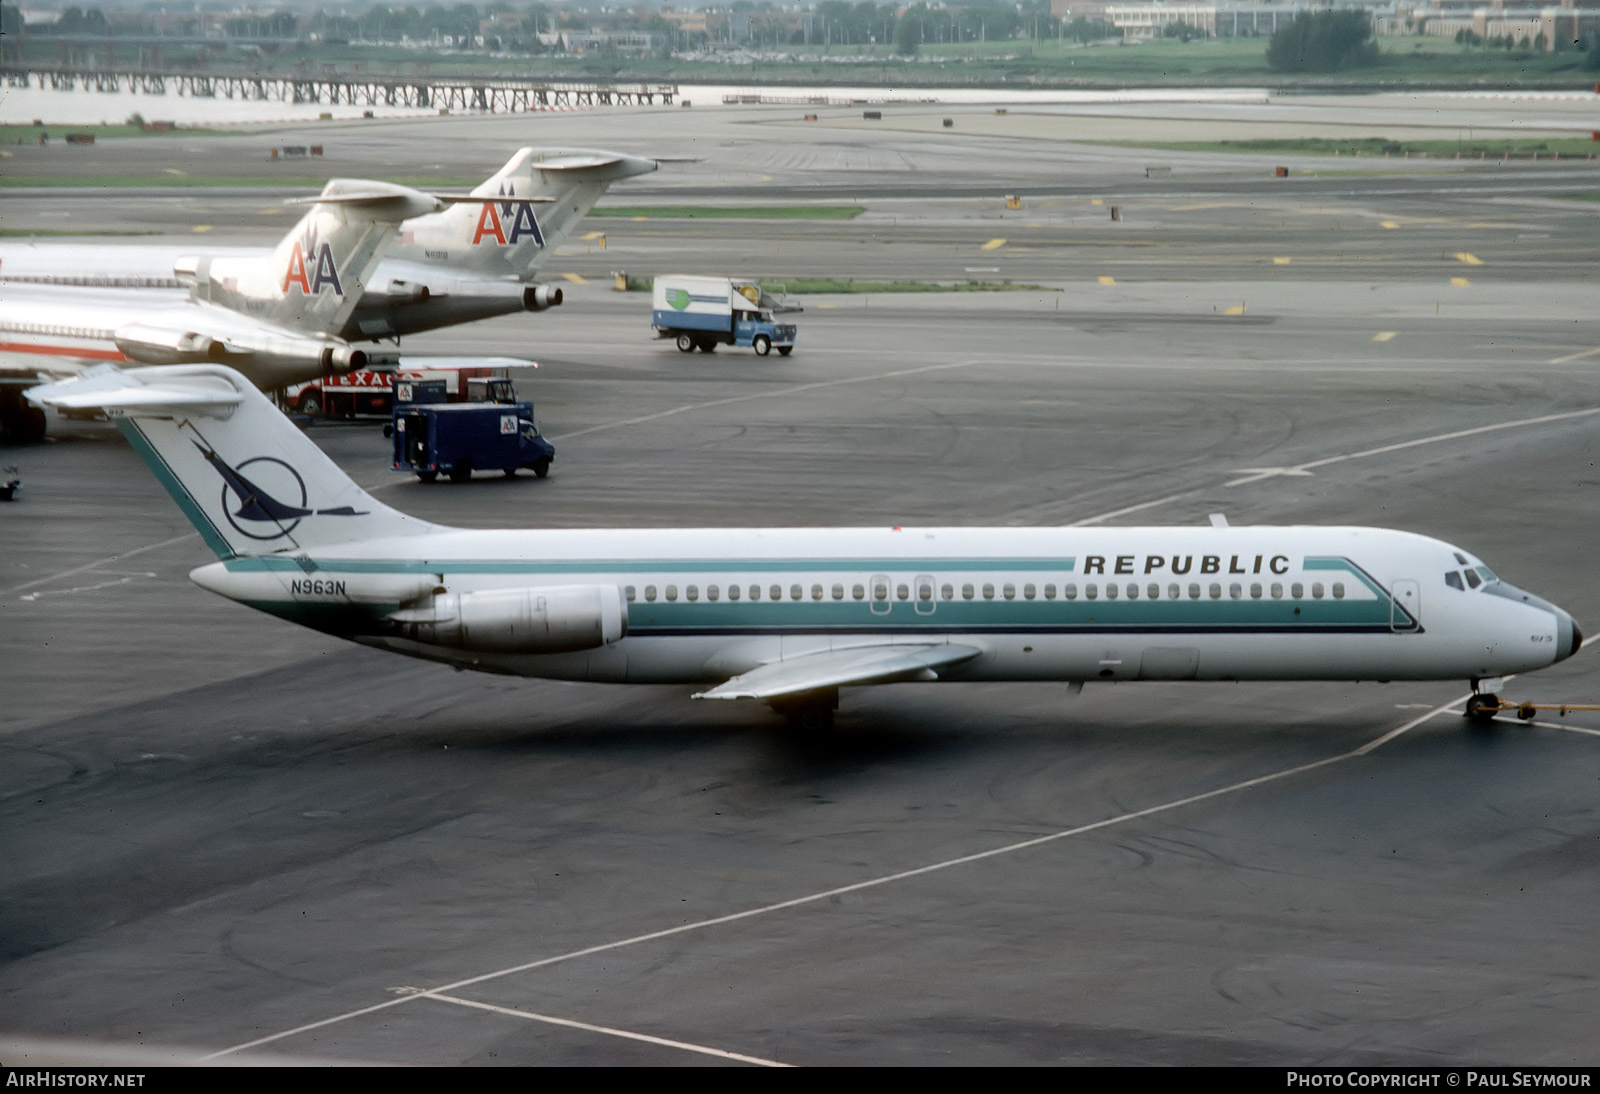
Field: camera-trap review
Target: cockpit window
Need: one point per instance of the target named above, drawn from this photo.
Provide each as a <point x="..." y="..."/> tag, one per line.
<point x="1461" y="558"/>
<point x="1487" y="574"/>
<point x="1453" y="580"/>
<point x="1473" y="579"/>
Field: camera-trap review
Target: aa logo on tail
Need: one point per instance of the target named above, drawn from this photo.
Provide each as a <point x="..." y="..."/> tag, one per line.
<point x="492" y="222"/>
<point x="313" y="274"/>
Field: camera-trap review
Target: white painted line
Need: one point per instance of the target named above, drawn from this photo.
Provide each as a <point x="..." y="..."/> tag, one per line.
<point x="607" y="1030"/>
<point x="1574" y="356"/>
<point x="125" y="580"/>
<point x="1564" y="728"/>
<point x="1437" y="438"/>
<point x="98" y="562"/>
<point x="856" y="887"/>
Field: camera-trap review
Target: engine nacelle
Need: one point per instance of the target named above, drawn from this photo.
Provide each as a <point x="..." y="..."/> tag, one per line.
<point x="166" y="345"/>
<point x="540" y="297"/>
<point x="537" y="619"/>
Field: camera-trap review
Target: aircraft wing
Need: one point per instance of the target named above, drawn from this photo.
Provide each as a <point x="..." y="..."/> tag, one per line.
<point x="108" y="388"/>
<point x="880" y="664"/>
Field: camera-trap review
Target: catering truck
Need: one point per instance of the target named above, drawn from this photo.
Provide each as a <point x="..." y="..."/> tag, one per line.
<point x="455" y="439"/>
<point x="701" y="313"/>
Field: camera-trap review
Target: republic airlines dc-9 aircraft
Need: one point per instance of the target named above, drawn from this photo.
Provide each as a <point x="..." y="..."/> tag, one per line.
<point x="790" y="615"/>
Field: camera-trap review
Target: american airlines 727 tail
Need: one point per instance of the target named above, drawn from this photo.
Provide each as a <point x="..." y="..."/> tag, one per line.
<point x="788" y="616"/>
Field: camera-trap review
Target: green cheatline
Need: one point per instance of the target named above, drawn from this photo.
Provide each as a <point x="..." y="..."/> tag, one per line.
<point x="812" y="286"/>
<point x="731" y="212"/>
<point x="1582" y="197"/>
<point x="286" y="182"/>
<point x="1520" y="148"/>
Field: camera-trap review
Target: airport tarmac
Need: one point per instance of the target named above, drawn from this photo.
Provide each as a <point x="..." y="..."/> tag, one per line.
<point x="226" y="835"/>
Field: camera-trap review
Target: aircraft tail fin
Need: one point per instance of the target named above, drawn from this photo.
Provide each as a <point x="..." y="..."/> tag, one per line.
<point x="314" y="278"/>
<point x="543" y="192"/>
<point x="247" y="478"/>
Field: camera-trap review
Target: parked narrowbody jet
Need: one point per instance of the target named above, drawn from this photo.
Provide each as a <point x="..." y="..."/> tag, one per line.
<point x="790" y="615"/>
<point x="469" y="258"/>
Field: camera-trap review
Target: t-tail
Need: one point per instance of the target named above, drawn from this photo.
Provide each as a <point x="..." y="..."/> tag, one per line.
<point x="314" y="278"/>
<point x="244" y="475"/>
<point x="545" y="192"/>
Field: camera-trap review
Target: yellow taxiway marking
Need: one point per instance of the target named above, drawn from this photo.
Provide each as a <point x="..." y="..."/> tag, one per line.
<point x="825" y="306"/>
<point x="1574" y="356"/>
<point x="638" y="220"/>
<point x="1281" y="261"/>
<point x="174" y="171"/>
<point x="1460" y="282"/>
<point x="1237" y="309"/>
<point x="1388" y="225"/>
<point x="1383" y="336"/>
<point x="268" y="212"/>
<point x="1107" y="280"/>
<point x="1097" y="201"/>
<point x="201" y="228"/>
<point x="575" y="279"/>
<point x="591" y="235"/>
<point x="1469" y="259"/>
<point x="994" y="245"/>
<point x="1206" y="205"/>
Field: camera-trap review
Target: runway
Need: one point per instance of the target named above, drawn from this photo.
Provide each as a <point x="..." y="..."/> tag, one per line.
<point x="228" y="838"/>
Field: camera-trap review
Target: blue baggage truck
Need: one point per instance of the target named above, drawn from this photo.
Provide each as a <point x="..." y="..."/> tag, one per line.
<point x="456" y="439"/>
<point x="701" y="313"/>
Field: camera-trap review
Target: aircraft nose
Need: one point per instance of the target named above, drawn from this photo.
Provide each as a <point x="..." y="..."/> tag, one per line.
<point x="1568" y="636"/>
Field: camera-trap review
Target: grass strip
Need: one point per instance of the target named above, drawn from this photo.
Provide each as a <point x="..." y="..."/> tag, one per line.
<point x="1574" y="147"/>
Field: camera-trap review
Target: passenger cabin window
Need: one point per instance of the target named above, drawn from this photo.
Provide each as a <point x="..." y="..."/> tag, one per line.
<point x="775" y="593"/>
<point x="649" y="592"/>
<point x="966" y="592"/>
<point x="924" y="591"/>
<point x="1277" y="590"/>
<point x="858" y="592"/>
<point x="1009" y="591"/>
<point x="1255" y="590"/>
<point x="947" y="592"/>
<point x="1453" y="580"/>
<point x="796" y="592"/>
<point x="1090" y="590"/>
<point x="1153" y="592"/>
<point x="672" y="592"/>
<point x="1070" y="590"/>
<point x="880" y="591"/>
<point x="1049" y="591"/>
<point x="988" y="592"/>
<point x="733" y="592"/>
<point x="1316" y="590"/>
<point x="711" y="592"/>
<point x="838" y="592"/>
<point x="1174" y="592"/>
<point x="1235" y="591"/>
<point x="628" y="592"/>
<point x="1111" y="590"/>
<point x="755" y="592"/>
<point x="1215" y="591"/>
<point x="1297" y="590"/>
<point x="691" y="592"/>
<point x="1338" y="590"/>
<point x="816" y="592"/>
<point x="1028" y="592"/>
<point x="1194" y="590"/>
<point x="902" y="592"/>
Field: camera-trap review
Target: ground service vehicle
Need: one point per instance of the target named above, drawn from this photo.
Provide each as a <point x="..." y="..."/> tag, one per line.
<point x="369" y="392"/>
<point x="701" y="313"/>
<point x="456" y="439"/>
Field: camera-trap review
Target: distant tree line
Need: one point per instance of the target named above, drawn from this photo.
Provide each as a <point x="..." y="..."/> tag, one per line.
<point x="1323" y="41"/>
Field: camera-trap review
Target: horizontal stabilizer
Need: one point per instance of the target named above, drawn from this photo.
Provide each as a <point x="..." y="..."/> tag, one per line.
<point x="880" y="664"/>
<point x="450" y="364"/>
<point x="396" y="202"/>
<point x="130" y="394"/>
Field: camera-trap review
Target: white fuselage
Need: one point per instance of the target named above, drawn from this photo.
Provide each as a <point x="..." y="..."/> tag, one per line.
<point x="1243" y="603"/>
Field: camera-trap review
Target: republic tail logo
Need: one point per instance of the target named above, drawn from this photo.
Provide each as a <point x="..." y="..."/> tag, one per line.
<point x="492" y="221"/>
<point x="311" y="267"/>
<point x="244" y="499"/>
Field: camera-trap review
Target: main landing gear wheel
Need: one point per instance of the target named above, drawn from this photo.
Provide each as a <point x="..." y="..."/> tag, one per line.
<point x="762" y="345"/>
<point x="1482" y="708"/>
<point x="685" y="343"/>
<point x="812" y="713"/>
